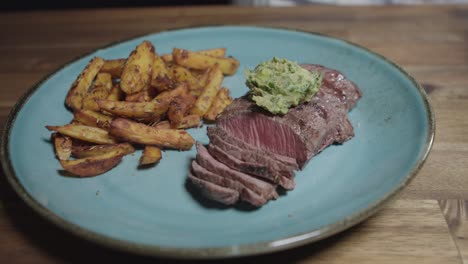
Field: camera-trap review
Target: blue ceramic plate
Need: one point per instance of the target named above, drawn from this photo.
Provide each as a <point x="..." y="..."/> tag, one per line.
<point x="152" y="212"/>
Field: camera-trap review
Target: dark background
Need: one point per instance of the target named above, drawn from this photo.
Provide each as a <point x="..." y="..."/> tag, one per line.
<point x="13" y="5"/>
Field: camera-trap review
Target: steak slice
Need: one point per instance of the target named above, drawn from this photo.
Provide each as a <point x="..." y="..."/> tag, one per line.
<point x="257" y="156"/>
<point x="265" y="189"/>
<point x="246" y="194"/>
<point x="306" y="129"/>
<point x="215" y="192"/>
<point x="251" y="168"/>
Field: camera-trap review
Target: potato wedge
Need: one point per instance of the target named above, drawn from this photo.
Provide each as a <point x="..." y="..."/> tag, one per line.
<point x="115" y="93"/>
<point x="113" y="67"/>
<point x="162" y="125"/>
<point x="89" y="99"/>
<point x="189" y="121"/>
<point x="84" y="133"/>
<point x="92" y="166"/>
<point x="151" y="155"/>
<point x="136" y="74"/>
<point x="198" y="61"/>
<point x="92" y="118"/>
<point x="180" y="75"/>
<point x="97" y="150"/>
<point x="134" y="110"/>
<point x="62" y="145"/>
<point x="142" y="110"/>
<point x="147" y="135"/>
<point x="103" y="80"/>
<point x="160" y="77"/>
<point x="80" y="86"/>
<point x="179" y="107"/>
<point x="167" y="58"/>
<point x="216" y="52"/>
<point x="143" y="96"/>
<point x="204" y="101"/>
<point x="221" y="101"/>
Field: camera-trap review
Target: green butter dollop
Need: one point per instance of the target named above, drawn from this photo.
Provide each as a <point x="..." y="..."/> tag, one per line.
<point x="279" y="84"/>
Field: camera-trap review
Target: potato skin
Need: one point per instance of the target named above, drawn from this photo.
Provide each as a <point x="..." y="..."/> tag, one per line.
<point x="83" y="82"/>
<point x="84" y="133"/>
<point x="199" y="61"/>
<point x="92" y="166"/>
<point x="142" y="134"/>
<point x="151" y="155"/>
<point x="96" y="150"/>
<point x="136" y="74"/>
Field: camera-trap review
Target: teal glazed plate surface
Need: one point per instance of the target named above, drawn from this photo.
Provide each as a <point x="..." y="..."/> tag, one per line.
<point x="154" y="212"/>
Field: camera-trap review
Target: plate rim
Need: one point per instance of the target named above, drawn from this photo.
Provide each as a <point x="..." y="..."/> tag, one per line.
<point x="248" y="249"/>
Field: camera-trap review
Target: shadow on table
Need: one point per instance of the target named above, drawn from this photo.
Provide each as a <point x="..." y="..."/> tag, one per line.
<point x="61" y="246"/>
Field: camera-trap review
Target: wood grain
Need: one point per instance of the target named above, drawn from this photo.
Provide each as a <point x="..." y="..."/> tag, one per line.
<point x="430" y="42"/>
<point x="456" y="215"/>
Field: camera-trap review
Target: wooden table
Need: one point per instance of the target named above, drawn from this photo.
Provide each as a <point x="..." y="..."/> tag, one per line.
<point x="427" y="223"/>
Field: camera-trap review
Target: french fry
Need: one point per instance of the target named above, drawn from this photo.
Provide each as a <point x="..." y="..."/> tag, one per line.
<point x="97" y="150"/>
<point x="217" y="52"/>
<point x="143" y="96"/>
<point x="84" y="133"/>
<point x="92" y="118"/>
<point x="189" y="121"/>
<point x="80" y="86"/>
<point x="221" y="101"/>
<point x="92" y="166"/>
<point x="136" y="74"/>
<point x="204" y="101"/>
<point x="200" y="62"/>
<point x="62" y="146"/>
<point x="179" y="107"/>
<point x="113" y="67"/>
<point x="151" y="155"/>
<point x="161" y="79"/>
<point x="147" y="135"/>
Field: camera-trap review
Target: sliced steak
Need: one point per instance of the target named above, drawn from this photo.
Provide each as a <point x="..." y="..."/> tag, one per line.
<point x="251" y="168"/>
<point x="306" y="129"/>
<point x="220" y="138"/>
<point x="245" y="193"/>
<point x="263" y="188"/>
<point x="215" y="192"/>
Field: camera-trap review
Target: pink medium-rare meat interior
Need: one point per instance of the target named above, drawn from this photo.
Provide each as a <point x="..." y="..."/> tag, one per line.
<point x="265" y="133"/>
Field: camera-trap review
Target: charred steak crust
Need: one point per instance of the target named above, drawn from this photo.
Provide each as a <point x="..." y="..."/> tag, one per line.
<point x="306" y="129"/>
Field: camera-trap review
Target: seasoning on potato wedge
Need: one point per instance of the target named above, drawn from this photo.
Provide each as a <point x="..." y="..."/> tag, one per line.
<point x="80" y="86"/>
<point x="92" y="166"/>
<point x="204" y="101"/>
<point x="200" y="62"/>
<point x="150" y="155"/>
<point x="97" y="150"/>
<point x="136" y="74"/>
<point x="142" y="134"/>
<point x="143" y="102"/>
<point x="84" y="133"/>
